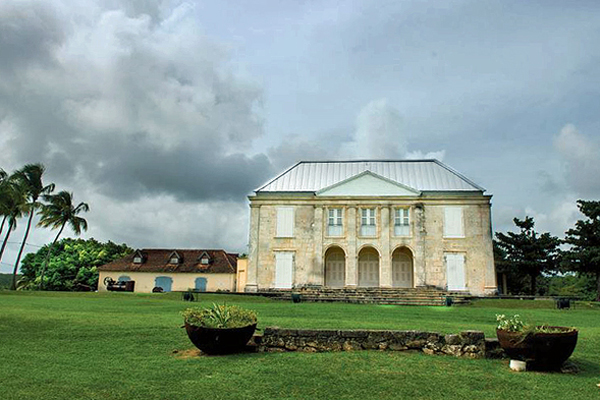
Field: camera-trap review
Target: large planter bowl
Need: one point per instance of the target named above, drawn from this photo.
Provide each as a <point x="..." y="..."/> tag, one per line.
<point x="220" y="341"/>
<point x="551" y="350"/>
<point x="542" y="351"/>
<point x="515" y="345"/>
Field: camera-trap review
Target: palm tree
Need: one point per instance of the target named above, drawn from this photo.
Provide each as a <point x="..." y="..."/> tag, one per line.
<point x="59" y="212"/>
<point x="30" y="179"/>
<point x="12" y="203"/>
<point x="3" y="210"/>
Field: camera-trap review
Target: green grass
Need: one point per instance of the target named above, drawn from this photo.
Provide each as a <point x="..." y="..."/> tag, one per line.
<point x="120" y="346"/>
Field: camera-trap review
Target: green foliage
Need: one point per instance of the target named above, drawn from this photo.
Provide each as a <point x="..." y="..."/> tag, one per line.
<point x="527" y="252"/>
<point x="512" y="324"/>
<point x="219" y="316"/>
<point x="6" y="280"/>
<point x="584" y="254"/>
<point x="73" y="264"/>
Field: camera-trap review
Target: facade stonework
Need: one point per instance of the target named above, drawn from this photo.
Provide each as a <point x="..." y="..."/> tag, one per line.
<point x="418" y="256"/>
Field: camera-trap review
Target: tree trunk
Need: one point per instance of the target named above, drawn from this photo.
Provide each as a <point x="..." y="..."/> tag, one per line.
<point x="2" y="225"/>
<point x="14" y="280"/>
<point x="10" y="225"/>
<point x="45" y="264"/>
<point x="598" y="285"/>
<point x="533" y="284"/>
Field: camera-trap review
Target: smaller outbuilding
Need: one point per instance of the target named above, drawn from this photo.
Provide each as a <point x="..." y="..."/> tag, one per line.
<point x="173" y="270"/>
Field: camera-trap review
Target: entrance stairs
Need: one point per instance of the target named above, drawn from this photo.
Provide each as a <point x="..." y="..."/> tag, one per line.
<point x="427" y="296"/>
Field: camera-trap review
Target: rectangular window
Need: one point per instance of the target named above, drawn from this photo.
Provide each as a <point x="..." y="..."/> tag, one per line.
<point x="367" y="222"/>
<point x="285" y="222"/>
<point x="174" y="260"/>
<point x="453" y="222"/>
<point x="401" y="222"/>
<point x="204" y="261"/>
<point x="137" y="260"/>
<point x="334" y="225"/>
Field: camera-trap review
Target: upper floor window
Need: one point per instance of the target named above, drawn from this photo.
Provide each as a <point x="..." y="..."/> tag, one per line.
<point x="401" y="222"/>
<point x="453" y="222"/>
<point x="285" y="222"/>
<point x="367" y="222"/>
<point x="204" y="260"/>
<point x="334" y="225"/>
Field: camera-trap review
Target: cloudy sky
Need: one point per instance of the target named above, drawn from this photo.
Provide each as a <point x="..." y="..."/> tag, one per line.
<point x="165" y="115"/>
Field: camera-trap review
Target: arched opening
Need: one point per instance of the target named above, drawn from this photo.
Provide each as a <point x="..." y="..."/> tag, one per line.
<point x="163" y="282"/>
<point x="368" y="267"/>
<point x="335" y="267"/>
<point x="201" y="284"/>
<point x="124" y="278"/>
<point x="402" y="268"/>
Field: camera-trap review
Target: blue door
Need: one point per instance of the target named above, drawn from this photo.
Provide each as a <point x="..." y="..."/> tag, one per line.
<point x="201" y="284"/>
<point x="164" y="282"/>
<point x="124" y="278"/>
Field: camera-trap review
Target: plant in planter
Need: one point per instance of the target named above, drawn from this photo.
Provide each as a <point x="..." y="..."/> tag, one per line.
<point x="543" y="347"/>
<point x="220" y="329"/>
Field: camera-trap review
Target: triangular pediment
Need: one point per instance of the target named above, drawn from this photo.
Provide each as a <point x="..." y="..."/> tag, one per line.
<point x="368" y="183"/>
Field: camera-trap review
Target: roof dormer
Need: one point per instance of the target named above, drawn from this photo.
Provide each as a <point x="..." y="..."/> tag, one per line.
<point x="175" y="258"/>
<point x="138" y="257"/>
<point x="204" y="259"/>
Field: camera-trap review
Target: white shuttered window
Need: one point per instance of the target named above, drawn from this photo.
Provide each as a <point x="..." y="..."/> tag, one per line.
<point x="367" y="222"/>
<point x="285" y="222"/>
<point x="401" y="222"/>
<point x="453" y="222"/>
<point x="334" y="224"/>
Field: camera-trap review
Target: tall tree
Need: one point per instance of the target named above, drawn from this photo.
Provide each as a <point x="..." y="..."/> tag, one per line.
<point x="30" y="179"/>
<point x="529" y="252"/>
<point x="584" y="254"/>
<point x="3" y="209"/>
<point x="12" y="203"/>
<point x="56" y="214"/>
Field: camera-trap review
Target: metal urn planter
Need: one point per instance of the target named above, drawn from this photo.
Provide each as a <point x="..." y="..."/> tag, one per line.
<point x="544" y="351"/>
<point x="220" y="340"/>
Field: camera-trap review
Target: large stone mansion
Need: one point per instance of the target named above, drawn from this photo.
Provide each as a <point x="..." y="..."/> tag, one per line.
<point x="409" y="223"/>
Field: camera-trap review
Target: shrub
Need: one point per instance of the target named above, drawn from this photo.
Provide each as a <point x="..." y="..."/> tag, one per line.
<point x="219" y="316"/>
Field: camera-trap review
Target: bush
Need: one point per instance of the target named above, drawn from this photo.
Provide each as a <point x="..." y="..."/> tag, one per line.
<point x="219" y="316"/>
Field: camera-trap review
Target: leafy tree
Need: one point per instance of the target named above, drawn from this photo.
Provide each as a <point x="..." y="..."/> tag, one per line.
<point x="30" y="179"/>
<point x="584" y="254"/>
<point x="72" y="265"/>
<point x="528" y="252"/>
<point x="59" y="212"/>
<point x="12" y="201"/>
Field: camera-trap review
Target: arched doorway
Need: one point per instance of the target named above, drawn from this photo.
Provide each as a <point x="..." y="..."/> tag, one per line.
<point x="368" y="267"/>
<point x="335" y="267"/>
<point x="163" y="282"/>
<point x="402" y="268"/>
<point x="201" y="284"/>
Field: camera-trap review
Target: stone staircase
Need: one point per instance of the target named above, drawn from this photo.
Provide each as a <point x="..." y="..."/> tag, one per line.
<point x="395" y="296"/>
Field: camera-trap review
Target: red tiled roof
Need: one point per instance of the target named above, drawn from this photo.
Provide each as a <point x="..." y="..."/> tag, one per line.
<point x="158" y="260"/>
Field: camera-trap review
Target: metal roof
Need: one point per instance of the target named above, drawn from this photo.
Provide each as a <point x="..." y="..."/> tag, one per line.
<point x="422" y="175"/>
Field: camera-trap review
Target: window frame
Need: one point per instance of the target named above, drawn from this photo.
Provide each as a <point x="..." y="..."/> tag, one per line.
<point x="369" y="215"/>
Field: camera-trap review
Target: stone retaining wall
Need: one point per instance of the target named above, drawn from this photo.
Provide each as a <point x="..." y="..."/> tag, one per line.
<point x="471" y="344"/>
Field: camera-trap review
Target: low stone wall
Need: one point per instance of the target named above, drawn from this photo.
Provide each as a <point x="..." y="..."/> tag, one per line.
<point x="471" y="344"/>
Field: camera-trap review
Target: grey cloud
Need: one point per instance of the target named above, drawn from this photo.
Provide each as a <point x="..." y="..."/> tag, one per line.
<point x="134" y="108"/>
<point x="29" y="35"/>
<point x="581" y="157"/>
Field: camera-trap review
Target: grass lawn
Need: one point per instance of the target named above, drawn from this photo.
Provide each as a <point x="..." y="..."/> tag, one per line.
<point x="120" y="346"/>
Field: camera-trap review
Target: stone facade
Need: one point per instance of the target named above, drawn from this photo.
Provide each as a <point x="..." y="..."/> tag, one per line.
<point x="425" y="242"/>
<point x="469" y="344"/>
<point x="422" y="250"/>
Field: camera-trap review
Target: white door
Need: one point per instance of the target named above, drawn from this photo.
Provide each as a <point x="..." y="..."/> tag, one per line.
<point x="455" y="271"/>
<point x="402" y="271"/>
<point x="368" y="269"/>
<point x="284" y="261"/>
<point x="335" y="266"/>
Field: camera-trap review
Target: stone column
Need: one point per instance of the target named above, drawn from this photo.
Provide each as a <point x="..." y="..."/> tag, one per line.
<point x="351" y="256"/>
<point x="420" y="246"/>
<point x="385" y="262"/>
<point x="318" y="272"/>
<point x="253" y="251"/>
<point x="491" y="285"/>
